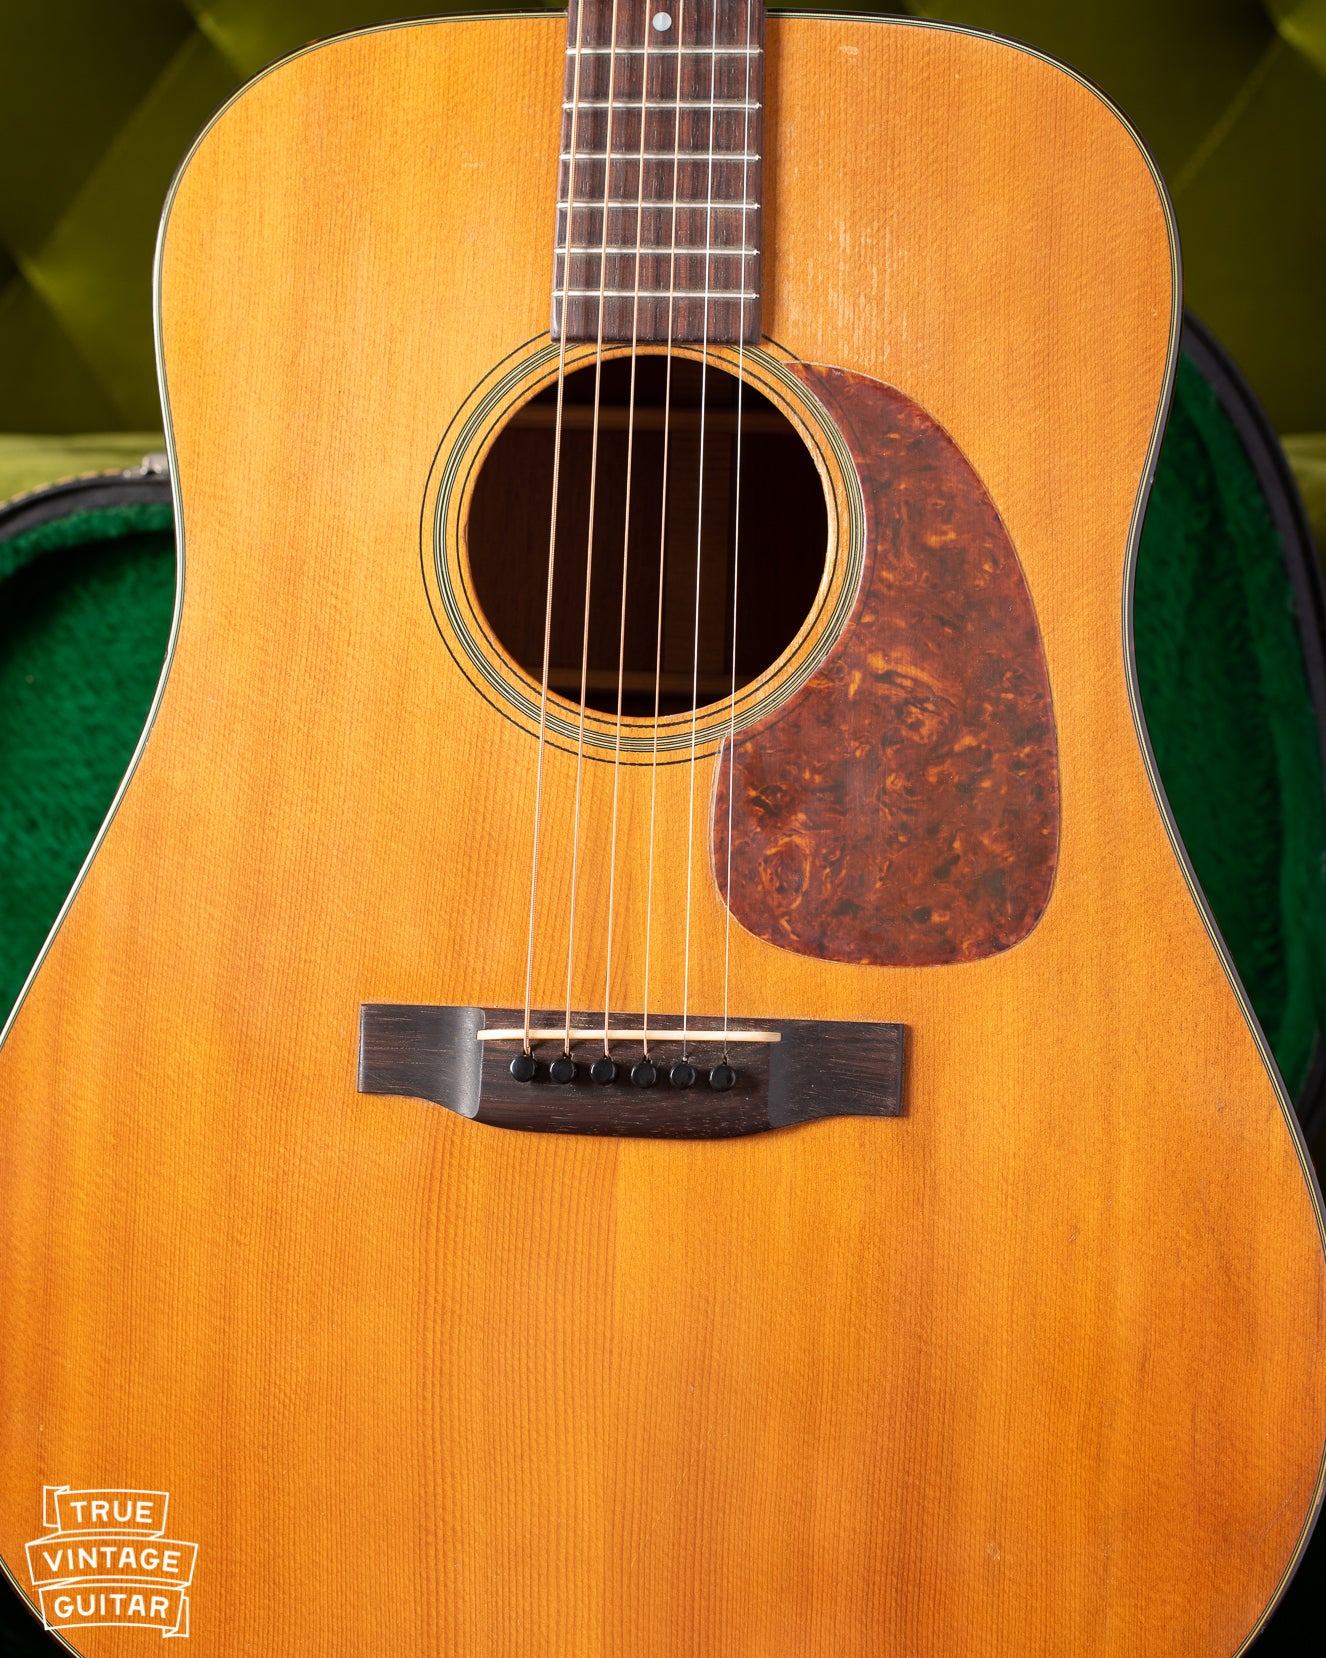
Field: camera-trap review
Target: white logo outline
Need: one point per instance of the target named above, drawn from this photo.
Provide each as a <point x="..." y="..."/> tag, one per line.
<point x="107" y="1546"/>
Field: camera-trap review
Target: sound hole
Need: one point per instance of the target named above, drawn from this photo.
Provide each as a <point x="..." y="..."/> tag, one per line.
<point x="773" y="559"/>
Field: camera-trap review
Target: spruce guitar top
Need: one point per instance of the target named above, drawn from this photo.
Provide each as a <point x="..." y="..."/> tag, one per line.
<point x="657" y="494"/>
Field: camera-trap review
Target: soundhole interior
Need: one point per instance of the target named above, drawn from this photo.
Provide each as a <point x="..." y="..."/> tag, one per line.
<point x="761" y="536"/>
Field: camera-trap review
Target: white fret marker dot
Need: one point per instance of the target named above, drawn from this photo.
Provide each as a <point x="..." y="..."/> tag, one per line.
<point x="662" y="21"/>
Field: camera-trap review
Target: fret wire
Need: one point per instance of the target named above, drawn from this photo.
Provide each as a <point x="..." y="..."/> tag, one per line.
<point x="668" y="51"/>
<point x="588" y="248"/>
<point x="699" y="205"/>
<point x="655" y="293"/>
<point x="626" y="157"/>
<point x="668" y="104"/>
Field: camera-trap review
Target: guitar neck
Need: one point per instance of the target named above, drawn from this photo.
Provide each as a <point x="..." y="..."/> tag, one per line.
<point x="659" y="188"/>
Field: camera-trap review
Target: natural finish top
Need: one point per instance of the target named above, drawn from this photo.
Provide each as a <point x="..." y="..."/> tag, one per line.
<point x="660" y="171"/>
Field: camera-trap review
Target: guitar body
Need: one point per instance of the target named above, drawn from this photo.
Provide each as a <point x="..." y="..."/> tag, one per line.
<point x="1035" y="1365"/>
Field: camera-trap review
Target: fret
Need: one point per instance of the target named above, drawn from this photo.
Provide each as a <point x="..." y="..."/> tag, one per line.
<point x="683" y="319"/>
<point x="656" y="320"/>
<point x="701" y="82"/>
<point x="654" y="252"/>
<point x="669" y="104"/>
<point x="651" y="293"/>
<point x="665" y="51"/>
<point x="630" y="111"/>
<point x="655" y="268"/>
<point x="676" y="158"/>
<point x="699" y="131"/>
<point x="632" y="203"/>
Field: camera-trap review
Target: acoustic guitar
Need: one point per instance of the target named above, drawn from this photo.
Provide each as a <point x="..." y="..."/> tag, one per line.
<point x="638" y="1069"/>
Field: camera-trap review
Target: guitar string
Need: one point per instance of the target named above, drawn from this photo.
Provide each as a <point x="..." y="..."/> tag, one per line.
<point x="736" y="550"/>
<point x="663" y="518"/>
<point x="589" y="545"/>
<point x="699" y="539"/>
<point x="626" y="528"/>
<point x="568" y="239"/>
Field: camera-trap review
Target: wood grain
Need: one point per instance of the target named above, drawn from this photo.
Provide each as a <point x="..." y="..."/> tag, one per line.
<point x="1035" y="1368"/>
<point x="902" y="809"/>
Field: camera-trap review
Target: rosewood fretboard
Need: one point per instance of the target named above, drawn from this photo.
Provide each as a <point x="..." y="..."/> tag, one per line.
<point x="660" y="171"/>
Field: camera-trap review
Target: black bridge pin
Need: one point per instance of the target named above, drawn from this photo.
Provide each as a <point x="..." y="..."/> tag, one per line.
<point x="523" y="1067"/>
<point x="722" y="1076"/>
<point x="682" y="1074"/>
<point x="563" y="1069"/>
<point x="643" y="1074"/>
<point x="603" y="1070"/>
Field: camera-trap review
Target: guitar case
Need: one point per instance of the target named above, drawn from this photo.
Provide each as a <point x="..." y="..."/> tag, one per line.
<point x="1230" y="631"/>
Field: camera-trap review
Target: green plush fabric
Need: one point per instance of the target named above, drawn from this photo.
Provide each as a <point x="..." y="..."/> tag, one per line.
<point x="83" y="631"/>
<point x="1223" y="687"/>
<point x="80" y="529"/>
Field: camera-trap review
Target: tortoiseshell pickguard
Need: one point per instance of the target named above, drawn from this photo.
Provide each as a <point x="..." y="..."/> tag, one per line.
<point x="903" y="808"/>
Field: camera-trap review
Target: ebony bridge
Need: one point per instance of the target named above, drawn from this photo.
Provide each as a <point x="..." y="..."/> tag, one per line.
<point x="784" y="1072"/>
